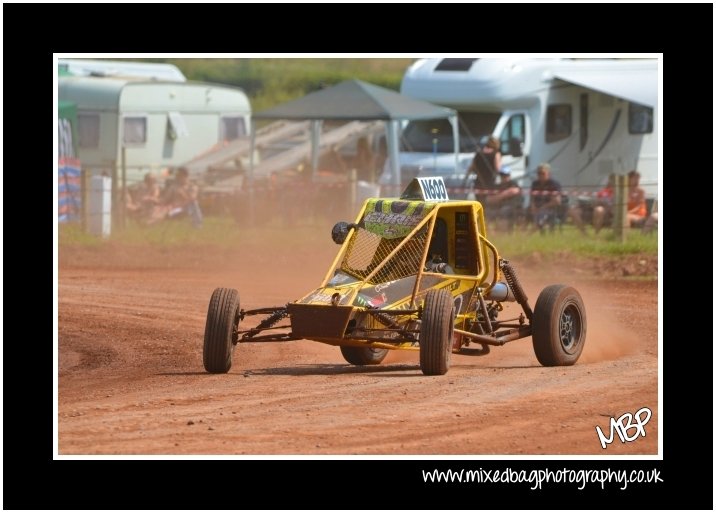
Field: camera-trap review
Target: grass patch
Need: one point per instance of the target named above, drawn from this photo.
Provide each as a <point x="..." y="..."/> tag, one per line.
<point x="224" y="232"/>
<point x="570" y="240"/>
<point x="217" y="232"/>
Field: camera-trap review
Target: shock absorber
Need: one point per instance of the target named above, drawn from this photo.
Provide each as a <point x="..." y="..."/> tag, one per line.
<point x="388" y="321"/>
<point x="267" y="322"/>
<point x="516" y="286"/>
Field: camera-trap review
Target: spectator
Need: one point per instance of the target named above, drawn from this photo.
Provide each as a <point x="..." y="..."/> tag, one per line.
<point x="603" y="207"/>
<point x="182" y="198"/>
<point x="506" y="201"/>
<point x="545" y="198"/>
<point x="144" y="202"/>
<point x="636" y="200"/>
<point x="485" y="164"/>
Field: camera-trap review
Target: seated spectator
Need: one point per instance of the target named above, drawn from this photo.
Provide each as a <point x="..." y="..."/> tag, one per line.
<point x="636" y="200"/>
<point x="545" y="198"/>
<point x="602" y="210"/>
<point x="144" y="202"/>
<point x="181" y="198"/>
<point x="505" y="203"/>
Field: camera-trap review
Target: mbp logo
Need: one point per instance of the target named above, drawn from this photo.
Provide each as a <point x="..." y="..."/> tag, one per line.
<point x="623" y="424"/>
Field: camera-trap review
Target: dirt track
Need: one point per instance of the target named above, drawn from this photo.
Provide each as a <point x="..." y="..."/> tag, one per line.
<point x="131" y="379"/>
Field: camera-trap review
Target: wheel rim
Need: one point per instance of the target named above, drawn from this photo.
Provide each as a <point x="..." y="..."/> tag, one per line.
<point x="570" y="328"/>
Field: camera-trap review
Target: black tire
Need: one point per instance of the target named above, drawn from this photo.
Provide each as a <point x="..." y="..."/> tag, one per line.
<point x="436" y="332"/>
<point x="363" y="355"/>
<point x="220" y="333"/>
<point x="559" y="326"/>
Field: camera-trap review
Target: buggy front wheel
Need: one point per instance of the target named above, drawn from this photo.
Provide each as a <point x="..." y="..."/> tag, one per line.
<point x="436" y="332"/>
<point x="221" y="331"/>
<point x="559" y="326"/>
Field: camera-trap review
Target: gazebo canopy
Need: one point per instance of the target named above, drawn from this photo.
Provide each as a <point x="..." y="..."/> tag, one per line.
<point x="358" y="100"/>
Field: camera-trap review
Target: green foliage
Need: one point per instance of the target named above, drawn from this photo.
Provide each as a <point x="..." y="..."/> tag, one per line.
<point x="570" y="240"/>
<point x="269" y="82"/>
<point x="216" y="232"/>
<point x="71" y="234"/>
<point x="225" y="233"/>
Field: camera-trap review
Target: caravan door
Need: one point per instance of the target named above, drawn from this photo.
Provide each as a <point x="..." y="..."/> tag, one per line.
<point x="513" y="130"/>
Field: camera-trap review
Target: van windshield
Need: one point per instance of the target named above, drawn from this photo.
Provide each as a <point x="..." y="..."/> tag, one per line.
<point x="418" y="135"/>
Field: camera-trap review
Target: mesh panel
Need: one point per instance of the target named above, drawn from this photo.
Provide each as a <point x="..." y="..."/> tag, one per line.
<point x="367" y="251"/>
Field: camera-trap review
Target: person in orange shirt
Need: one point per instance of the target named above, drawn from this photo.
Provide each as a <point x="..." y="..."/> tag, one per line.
<point x="636" y="200"/>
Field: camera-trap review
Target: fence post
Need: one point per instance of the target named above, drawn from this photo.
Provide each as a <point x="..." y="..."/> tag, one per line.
<point x="100" y="207"/>
<point x="621" y="222"/>
<point x="115" y="189"/>
<point x="123" y="206"/>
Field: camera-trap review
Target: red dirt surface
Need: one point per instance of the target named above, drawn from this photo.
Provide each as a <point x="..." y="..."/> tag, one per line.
<point x="131" y="379"/>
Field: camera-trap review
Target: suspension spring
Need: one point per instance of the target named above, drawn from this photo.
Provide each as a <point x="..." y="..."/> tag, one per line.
<point x="267" y="323"/>
<point x="388" y="321"/>
<point x="516" y="286"/>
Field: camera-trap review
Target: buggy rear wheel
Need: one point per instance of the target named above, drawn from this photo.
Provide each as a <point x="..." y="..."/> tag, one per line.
<point x="436" y="332"/>
<point x="559" y="326"/>
<point x="363" y="355"/>
<point x="221" y="331"/>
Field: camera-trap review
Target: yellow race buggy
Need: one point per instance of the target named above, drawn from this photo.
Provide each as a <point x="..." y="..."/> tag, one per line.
<point x="413" y="273"/>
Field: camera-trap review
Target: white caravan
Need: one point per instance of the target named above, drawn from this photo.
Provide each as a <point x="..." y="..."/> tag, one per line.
<point x="152" y="125"/>
<point x="587" y="118"/>
<point x="105" y="68"/>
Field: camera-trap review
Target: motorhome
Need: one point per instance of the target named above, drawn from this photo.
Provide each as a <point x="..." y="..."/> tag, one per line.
<point x="586" y="117"/>
<point x="132" y="126"/>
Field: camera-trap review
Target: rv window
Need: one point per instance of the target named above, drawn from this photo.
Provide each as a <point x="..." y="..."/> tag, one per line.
<point x="232" y="127"/>
<point x="641" y="119"/>
<point x="559" y="122"/>
<point x="177" y="128"/>
<point x="513" y="136"/>
<point x="88" y="130"/>
<point x="135" y="130"/>
<point x="420" y="136"/>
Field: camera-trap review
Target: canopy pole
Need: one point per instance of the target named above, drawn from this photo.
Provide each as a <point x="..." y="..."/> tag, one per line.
<point x="394" y="155"/>
<point x="456" y="140"/>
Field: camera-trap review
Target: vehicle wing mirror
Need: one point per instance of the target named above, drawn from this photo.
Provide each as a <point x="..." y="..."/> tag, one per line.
<point x="516" y="147"/>
<point x="340" y="230"/>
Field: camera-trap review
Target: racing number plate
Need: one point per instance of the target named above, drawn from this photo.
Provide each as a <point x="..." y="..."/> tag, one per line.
<point x="433" y="188"/>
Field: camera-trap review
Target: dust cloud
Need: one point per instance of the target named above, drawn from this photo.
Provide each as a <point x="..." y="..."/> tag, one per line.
<point x="607" y="338"/>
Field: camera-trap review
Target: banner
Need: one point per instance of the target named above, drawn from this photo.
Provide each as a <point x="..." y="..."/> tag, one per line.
<point x="69" y="190"/>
